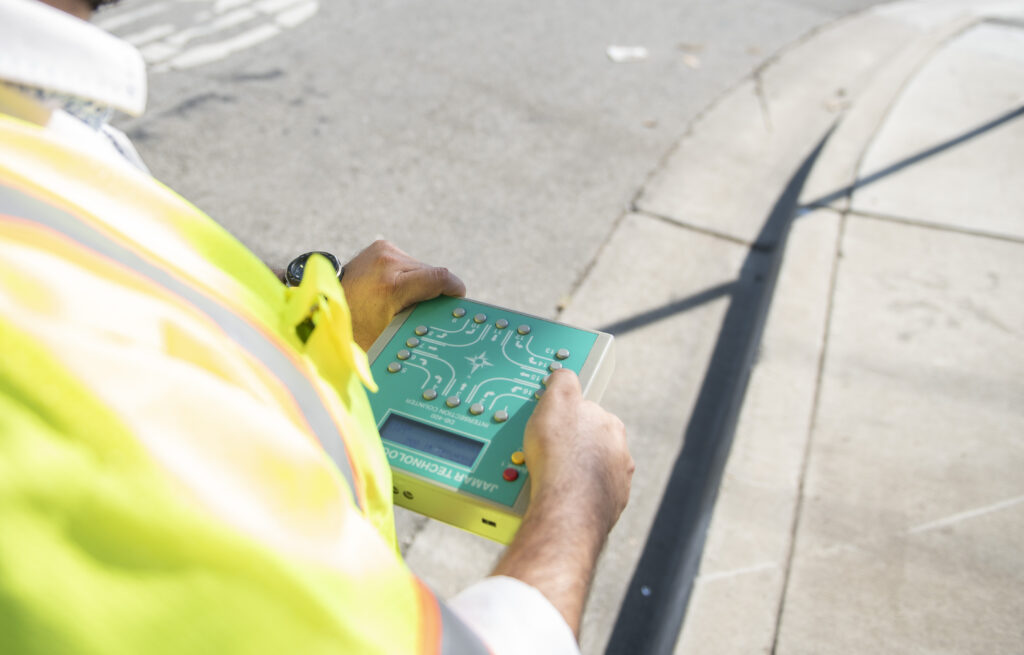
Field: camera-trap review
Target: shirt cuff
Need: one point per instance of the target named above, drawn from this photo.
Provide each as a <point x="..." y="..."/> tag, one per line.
<point x="511" y="616"/>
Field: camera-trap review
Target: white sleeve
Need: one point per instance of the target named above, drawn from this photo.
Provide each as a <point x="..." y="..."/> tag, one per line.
<point x="510" y="616"/>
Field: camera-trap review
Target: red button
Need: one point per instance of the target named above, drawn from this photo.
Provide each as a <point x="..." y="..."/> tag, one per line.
<point x="510" y="474"/>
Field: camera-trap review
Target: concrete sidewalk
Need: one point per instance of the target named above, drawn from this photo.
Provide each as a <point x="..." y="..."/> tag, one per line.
<point x="874" y="499"/>
<point x="874" y="496"/>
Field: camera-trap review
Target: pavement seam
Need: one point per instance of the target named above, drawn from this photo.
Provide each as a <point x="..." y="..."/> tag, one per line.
<point x="589" y="267"/>
<point x="585" y="273"/>
<point x="926" y="225"/>
<point x="762" y="99"/>
<point x="1005" y="21"/>
<point x="908" y="78"/>
<point x="700" y="230"/>
<point x="811" y="428"/>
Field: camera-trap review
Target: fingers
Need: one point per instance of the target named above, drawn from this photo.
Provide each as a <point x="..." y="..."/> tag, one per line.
<point x="558" y="406"/>
<point x="426" y="282"/>
<point x="563" y="381"/>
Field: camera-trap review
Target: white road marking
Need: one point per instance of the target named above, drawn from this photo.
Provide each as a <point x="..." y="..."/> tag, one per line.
<point x="226" y="5"/>
<point x="225" y="26"/>
<point x="206" y="54"/>
<point x="298" y="15"/>
<point x="219" y="24"/>
<point x="138" y="39"/>
<point x="274" y="6"/>
<point x="157" y="52"/>
<point x="128" y="17"/>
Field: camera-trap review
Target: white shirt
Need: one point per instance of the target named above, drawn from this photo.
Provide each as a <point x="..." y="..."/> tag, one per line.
<point x="79" y="74"/>
<point x="76" y="71"/>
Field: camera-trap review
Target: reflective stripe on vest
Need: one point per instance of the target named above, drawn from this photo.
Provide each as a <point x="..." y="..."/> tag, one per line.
<point x="455" y="637"/>
<point x="16" y="203"/>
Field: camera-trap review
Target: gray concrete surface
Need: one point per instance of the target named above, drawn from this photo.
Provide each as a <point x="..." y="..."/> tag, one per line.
<point x="873" y="501"/>
<point x="736" y="599"/>
<point x="973" y="80"/>
<point x="911" y="530"/>
<point x="650" y="264"/>
<point x="468" y="134"/>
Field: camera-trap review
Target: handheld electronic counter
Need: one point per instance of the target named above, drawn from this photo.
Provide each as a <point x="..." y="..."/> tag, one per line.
<point x="458" y="380"/>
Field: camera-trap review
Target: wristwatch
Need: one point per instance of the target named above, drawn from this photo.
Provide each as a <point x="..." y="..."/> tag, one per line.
<point x="297" y="266"/>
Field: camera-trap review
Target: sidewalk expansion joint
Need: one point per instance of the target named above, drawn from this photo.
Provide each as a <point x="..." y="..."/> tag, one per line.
<point x="696" y="228"/>
<point x="928" y="225"/>
<point x="762" y="99"/>
<point x="591" y="263"/>
<point x="656" y="600"/>
<point x="787" y="566"/>
<point x="1005" y="21"/>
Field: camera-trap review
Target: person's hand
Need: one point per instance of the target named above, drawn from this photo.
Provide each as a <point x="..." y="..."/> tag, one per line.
<point x="580" y="471"/>
<point x="382" y="280"/>
<point x="577" y="454"/>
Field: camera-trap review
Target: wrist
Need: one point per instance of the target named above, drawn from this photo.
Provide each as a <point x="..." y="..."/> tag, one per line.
<point x="583" y="502"/>
<point x="572" y="514"/>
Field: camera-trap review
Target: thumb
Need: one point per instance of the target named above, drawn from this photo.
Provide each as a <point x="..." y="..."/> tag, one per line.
<point x="427" y="282"/>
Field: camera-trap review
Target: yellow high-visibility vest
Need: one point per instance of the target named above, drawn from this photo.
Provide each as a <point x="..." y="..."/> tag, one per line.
<point x="179" y="472"/>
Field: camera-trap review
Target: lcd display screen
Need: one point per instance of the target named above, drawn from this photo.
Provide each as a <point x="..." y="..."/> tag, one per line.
<point x="430" y="440"/>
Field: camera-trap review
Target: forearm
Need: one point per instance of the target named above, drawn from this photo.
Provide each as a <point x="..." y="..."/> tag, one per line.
<point x="555" y="551"/>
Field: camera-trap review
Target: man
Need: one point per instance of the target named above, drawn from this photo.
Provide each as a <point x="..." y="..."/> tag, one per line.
<point x="180" y="471"/>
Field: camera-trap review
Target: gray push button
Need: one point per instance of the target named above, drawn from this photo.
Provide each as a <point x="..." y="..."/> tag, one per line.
<point x="421" y="330"/>
<point x="412" y="342"/>
<point x="501" y="323"/>
<point x="523" y="329"/>
<point x="480" y="318"/>
<point x="476" y="409"/>
<point x="429" y="394"/>
<point x="500" y="416"/>
<point x="403" y="354"/>
<point x="459" y="312"/>
<point x="453" y="401"/>
<point x="394" y="367"/>
<point x="554" y="366"/>
<point x="563" y="353"/>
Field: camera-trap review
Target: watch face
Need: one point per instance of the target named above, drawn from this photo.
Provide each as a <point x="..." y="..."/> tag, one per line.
<point x="293" y="274"/>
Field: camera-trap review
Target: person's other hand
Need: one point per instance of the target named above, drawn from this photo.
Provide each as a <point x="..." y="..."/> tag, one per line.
<point x="577" y="454"/>
<point x="383" y="280"/>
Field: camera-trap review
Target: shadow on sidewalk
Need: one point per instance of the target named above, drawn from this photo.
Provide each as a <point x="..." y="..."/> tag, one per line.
<point x="728" y="288"/>
<point x="656" y="600"/>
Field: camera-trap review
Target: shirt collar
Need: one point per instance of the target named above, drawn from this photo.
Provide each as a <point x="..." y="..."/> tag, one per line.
<point x="49" y="50"/>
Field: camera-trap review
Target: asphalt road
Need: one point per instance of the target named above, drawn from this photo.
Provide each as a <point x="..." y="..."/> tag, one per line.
<point x="496" y="138"/>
